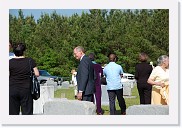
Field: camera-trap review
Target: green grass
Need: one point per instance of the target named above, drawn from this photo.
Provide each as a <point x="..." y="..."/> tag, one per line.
<point x="133" y="101"/>
<point x="69" y="94"/>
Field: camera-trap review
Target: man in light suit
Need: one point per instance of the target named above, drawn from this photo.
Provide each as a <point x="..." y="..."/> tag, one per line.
<point x="85" y="75"/>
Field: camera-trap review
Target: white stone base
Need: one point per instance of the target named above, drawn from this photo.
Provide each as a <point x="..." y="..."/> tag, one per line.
<point x="46" y="93"/>
<point x="58" y="106"/>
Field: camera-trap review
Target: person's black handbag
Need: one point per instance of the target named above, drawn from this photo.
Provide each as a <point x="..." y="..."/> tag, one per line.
<point x="103" y="81"/>
<point x="34" y="83"/>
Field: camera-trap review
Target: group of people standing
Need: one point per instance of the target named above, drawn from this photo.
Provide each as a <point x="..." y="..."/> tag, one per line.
<point x="88" y="78"/>
<point x="88" y="81"/>
<point x="153" y="82"/>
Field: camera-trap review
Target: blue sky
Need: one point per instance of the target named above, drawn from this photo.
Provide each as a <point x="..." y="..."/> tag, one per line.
<point x="37" y="12"/>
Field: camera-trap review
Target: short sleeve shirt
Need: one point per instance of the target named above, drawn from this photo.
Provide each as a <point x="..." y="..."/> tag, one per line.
<point x="158" y="74"/>
<point x="113" y="72"/>
<point x="19" y="72"/>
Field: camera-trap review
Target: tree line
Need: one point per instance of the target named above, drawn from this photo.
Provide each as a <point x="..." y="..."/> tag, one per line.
<point x="51" y="39"/>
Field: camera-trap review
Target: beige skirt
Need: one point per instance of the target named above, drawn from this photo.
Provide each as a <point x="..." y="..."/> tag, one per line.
<point x="160" y="96"/>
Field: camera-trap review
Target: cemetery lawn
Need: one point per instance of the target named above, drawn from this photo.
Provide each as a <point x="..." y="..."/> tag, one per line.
<point x="69" y="94"/>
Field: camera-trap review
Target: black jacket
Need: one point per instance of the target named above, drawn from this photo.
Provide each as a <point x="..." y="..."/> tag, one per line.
<point x="142" y="72"/>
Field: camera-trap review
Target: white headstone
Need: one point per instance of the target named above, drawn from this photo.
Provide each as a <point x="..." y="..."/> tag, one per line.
<point x="104" y="98"/>
<point x="46" y="93"/>
<point x="58" y="106"/>
<point x="65" y="85"/>
<point x="127" y="88"/>
<point x="148" y="110"/>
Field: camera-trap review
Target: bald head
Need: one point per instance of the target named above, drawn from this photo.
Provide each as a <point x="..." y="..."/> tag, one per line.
<point x="112" y="57"/>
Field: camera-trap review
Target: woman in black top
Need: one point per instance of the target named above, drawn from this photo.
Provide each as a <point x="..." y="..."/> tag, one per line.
<point x="142" y="73"/>
<point x="19" y="82"/>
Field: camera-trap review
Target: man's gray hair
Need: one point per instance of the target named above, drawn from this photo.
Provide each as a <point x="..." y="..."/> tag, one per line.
<point x="80" y="48"/>
<point x="161" y="59"/>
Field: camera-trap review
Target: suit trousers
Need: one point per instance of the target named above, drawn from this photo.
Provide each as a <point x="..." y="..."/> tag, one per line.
<point x="112" y="98"/>
<point x="20" y="99"/>
<point x="145" y="92"/>
<point x="89" y="97"/>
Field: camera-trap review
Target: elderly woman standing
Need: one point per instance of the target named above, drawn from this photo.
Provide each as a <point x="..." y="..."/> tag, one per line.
<point x="159" y="79"/>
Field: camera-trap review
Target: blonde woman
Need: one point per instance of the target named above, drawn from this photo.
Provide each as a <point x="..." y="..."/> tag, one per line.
<point x="159" y="79"/>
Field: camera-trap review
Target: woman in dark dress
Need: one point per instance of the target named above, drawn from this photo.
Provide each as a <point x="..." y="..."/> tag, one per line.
<point x="19" y="82"/>
<point x="98" y="92"/>
<point x="142" y="73"/>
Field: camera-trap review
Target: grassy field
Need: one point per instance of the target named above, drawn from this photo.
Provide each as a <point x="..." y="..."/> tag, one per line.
<point x="69" y="94"/>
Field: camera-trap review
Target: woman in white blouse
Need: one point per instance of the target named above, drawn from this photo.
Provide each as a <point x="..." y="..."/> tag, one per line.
<point x="159" y="79"/>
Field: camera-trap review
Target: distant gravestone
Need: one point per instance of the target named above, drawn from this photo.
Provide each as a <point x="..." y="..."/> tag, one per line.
<point x="65" y="85"/>
<point x="60" y="106"/>
<point x="46" y="93"/>
<point x="104" y="97"/>
<point x="127" y="92"/>
<point x="127" y="88"/>
<point x="51" y="83"/>
<point x="148" y="110"/>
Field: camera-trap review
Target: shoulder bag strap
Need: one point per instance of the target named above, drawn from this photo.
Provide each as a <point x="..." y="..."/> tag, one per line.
<point x="31" y="73"/>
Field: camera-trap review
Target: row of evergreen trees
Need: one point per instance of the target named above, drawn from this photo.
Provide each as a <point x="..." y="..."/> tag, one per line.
<point x="51" y="39"/>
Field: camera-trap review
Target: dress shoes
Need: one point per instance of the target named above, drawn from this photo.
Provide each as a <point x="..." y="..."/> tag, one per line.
<point x="99" y="114"/>
<point x="123" y="113"/>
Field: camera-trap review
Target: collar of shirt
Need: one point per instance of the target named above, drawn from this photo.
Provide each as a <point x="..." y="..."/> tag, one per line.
<point x="82" y="57"/>
<point x="94" y="62"/>
<point x="111" y="62"/>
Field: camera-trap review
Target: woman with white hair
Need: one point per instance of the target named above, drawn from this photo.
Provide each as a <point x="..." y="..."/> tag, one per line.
<point x="159" y="79"/>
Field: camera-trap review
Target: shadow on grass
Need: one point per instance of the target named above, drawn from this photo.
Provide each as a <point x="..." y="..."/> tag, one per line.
<point x="118" y="112"/>
<point x="106" y="112"/>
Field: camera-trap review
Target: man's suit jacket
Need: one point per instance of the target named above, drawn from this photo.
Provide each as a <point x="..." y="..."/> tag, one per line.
<point x="85" y="76"/>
